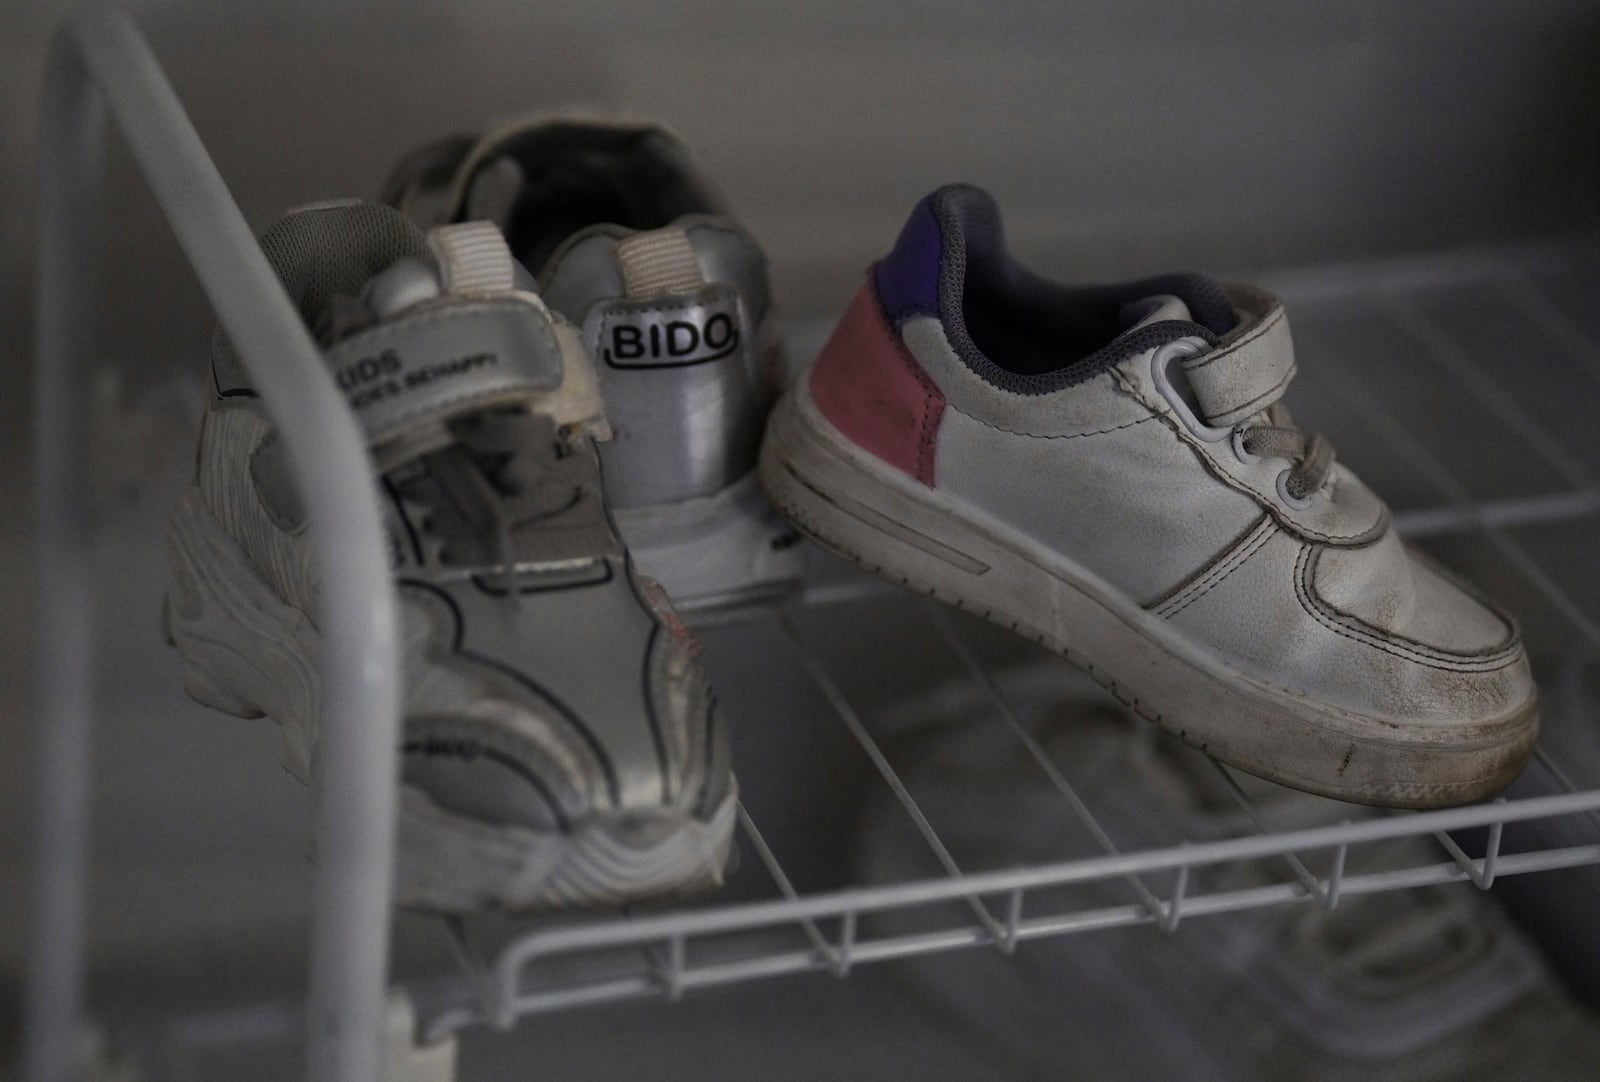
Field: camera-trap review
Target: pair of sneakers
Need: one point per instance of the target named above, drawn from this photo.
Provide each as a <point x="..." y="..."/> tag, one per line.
<point x="567" y="476"/>
<point x="1108" y="470"/>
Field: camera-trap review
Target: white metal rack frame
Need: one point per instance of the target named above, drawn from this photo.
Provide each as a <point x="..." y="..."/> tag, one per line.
<point x="707" y="943"/>
<point x="99" y="65"/>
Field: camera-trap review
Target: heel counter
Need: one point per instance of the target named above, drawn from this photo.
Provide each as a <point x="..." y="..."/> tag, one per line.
<point x="870" y="388"/>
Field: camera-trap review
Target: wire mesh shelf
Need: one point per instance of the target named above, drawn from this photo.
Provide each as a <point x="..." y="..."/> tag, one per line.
<point x="572" y="963"/>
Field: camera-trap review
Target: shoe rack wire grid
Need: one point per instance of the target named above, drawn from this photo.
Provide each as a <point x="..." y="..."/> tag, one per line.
<point x="668" y="953"/>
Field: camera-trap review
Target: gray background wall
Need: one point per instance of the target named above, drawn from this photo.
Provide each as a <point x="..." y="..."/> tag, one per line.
<point x="1121" y="138"/>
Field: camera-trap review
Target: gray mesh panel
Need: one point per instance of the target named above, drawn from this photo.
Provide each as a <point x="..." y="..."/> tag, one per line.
<point x="319" y="252"/>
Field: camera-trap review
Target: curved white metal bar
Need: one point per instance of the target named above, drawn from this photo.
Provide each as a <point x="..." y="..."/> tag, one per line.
<point x="568" y="939"/>
<point x="464" y="1012"/>
<point x="99" y="61"/>
<point x="72" y="121"/>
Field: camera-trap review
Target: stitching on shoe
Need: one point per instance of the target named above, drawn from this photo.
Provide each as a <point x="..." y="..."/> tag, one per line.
<point x="1227" y="567"/>
<point x="1231" y="348"/>
<point x="1199" y="577"/>
<point x="1508" y="644"/>
<point x="1514" y="629"/>
<point x="1250" y="406"/>
<point x="933" y="402"/>
<point x="1056" y="436"/>
<point x="1408" y="649"/>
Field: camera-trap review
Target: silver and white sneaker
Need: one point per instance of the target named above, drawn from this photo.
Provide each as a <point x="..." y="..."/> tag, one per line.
<point x="561" y="745"/>
<point x="671" y="293"/>
<point x="1109" y="470"/>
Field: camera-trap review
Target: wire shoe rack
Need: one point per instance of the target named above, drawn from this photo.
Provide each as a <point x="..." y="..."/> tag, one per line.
<point x="511" y="972"/>
<point x="711" y="946"/>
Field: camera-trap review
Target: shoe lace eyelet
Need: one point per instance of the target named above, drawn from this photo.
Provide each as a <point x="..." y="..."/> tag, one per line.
<point x="1296" y="502"/>
<point x="1236" y="440"/>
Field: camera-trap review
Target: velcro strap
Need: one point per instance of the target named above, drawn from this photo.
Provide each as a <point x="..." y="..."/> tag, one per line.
<point x="444" y="361"/>
<point x="1244" y="376"/>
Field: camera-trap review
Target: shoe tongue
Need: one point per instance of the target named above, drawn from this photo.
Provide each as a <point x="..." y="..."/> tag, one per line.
<point x="1158" y="308"/>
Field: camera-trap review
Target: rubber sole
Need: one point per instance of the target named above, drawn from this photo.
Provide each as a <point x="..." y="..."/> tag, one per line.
<point x="248" y="653"/>
<point x="895" y="527"/>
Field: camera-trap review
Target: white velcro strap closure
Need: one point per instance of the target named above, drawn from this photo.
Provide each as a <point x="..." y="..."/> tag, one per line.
<point x="445" y="361"/>
<point x="659" y="261"/>
<point x="472" y="258"/>
<point x="1246" y="375"/>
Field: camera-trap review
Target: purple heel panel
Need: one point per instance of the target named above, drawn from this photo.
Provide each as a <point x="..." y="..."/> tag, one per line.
<point x="907" y="279"/>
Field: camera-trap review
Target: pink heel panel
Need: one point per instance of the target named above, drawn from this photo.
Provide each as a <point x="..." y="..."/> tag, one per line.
<point x="868" y="386"/>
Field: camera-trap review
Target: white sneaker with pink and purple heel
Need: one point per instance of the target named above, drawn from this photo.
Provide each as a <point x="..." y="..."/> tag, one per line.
<point x="1109" y="470"/>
